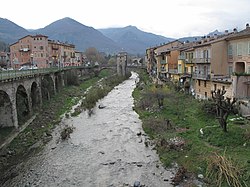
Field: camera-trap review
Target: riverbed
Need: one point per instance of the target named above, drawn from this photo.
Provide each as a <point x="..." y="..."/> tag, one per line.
<point x="106" y="149"/>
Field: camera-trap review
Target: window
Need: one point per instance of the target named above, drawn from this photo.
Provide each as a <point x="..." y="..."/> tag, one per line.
<point x="230" y="70"/>
<point x="199" y="82"/>
<point x="41" y="54"/>
<point x="179" y="68"/>
<point x="215" y="86"/>
<point x="205" y="94"/>
<point x="239" y="49"/>
<point x="223" y="87"/>
<point x="230" y="50"/>
<point x="248" y="71"/>
<point x="249" y="48"/>
<point x="41" y="47"/>
<point x="205" y="83"/>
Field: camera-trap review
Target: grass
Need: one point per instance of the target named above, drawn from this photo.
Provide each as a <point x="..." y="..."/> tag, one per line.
<point x="187" y="118"/>
<point x="4" y="133"/>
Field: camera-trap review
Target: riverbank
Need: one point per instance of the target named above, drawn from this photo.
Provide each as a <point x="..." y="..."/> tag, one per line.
<point x="39" y="132"/>
<point x="186" y="135"/>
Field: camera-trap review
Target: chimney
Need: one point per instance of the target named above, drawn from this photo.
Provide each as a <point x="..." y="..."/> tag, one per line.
<point x="226" y="31"/>
<point x="235" y="30"/>
<point x="247" y="26"/>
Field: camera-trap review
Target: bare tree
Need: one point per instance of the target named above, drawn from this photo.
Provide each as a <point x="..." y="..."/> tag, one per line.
<point x="224" y="106"/>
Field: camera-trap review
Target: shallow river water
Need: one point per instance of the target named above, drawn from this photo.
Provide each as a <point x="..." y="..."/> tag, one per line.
<point x="106" y="149"/>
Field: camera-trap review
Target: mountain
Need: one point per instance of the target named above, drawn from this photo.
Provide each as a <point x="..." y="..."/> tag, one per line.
<point x="216" y="32"/>
<point x="83" y="37"/>
<point x="11" y="32"/>
<point x="111" y="40"/>
<point x="133" y="40"/>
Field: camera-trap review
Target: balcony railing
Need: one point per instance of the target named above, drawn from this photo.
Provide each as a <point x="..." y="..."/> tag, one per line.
<point x="181" y="57"/>
<point x="189" y="61"/>
<point x="163" y="70"/>
<point x="55" y="47"/>
<point x="204" y="76"/>
<point x="25" y="49"/>
<point x="202" y="60"/>
<point x="163" y="62"/>
<point x="174" y="71"/>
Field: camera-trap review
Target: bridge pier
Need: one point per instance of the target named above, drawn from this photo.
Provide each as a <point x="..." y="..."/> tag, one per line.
<point x="121" y="63"/>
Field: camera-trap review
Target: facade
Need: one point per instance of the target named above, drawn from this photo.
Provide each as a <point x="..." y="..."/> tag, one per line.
<point x="239" y="62"/>
<point x="39" y="51"/>
<point x="167" y="59"/>
<point x="30" y="51"/>
<point x="151" y="61"/>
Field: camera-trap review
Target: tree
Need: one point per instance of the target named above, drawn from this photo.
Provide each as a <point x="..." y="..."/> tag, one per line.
<point x="224" y="106"/>
<point x="159" y="92"/>
<point x="112" y="61"/>
<point x="95" y="56"/>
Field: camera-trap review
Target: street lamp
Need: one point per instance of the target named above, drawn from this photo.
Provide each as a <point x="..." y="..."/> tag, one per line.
<point x="31" y="56"/>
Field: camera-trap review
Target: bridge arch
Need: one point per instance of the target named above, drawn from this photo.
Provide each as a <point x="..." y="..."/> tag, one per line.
<point x="22" y="104"/>
<point x="35" y="97"/>
<point x="6" y="115"/>
<point x="47" y="87"/>
<point x="58" y="82"/>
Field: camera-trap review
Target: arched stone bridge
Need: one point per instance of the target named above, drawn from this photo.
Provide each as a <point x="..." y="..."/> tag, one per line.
<point x="21" y="96"/>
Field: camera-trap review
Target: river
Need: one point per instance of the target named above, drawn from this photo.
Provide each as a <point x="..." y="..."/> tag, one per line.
<point x="106" y="149"/>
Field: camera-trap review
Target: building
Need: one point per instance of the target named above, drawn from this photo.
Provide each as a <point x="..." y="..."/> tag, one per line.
<point x="39" y="51"/>
<point x="150" y="61"/>
<point x="30" y="51"/>
<point x="167" y="59"/>
<point x="239" y="62"/>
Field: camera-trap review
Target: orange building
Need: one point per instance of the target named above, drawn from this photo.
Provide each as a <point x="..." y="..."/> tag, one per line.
<point x="30" y="51"/>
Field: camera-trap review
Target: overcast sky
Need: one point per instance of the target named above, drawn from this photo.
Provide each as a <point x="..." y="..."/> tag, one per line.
<point x="170" y="18"/>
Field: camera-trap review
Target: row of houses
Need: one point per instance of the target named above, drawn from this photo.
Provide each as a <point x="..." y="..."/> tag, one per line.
<point x="38" y="50"/>
<point x="214" y="62"/>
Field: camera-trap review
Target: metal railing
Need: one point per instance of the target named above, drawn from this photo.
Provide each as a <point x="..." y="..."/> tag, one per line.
<point x="12" y="74"/>
<point x="201" y="76"/>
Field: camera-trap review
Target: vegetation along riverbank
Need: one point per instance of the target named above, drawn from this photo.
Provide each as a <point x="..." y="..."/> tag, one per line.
<point x="186" y="135"/>
<point x="33" y="138"/>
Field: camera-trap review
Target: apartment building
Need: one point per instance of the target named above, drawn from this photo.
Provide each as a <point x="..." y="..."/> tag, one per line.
<point x="30" y="50"/>
<point x="39" y="51"/>
<point x="239" y="62"/>
<point x="167" y="59"/>
<point x="151" y="61"/>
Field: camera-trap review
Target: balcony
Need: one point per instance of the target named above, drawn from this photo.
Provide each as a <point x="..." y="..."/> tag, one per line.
<point x="181" y="57"/>
<point x="189" y="61"/>
<point x="202" y="60"/>
<point x="163" y="62"/>
<point x="173" y="71"/>
<point x="55" y="47"/>
<point x="25" y="49"/>
<point x="203" y="76"/>
<point x="163" y="70"/>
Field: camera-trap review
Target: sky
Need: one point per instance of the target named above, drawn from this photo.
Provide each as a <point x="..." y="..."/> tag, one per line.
<point x="169" y="18"/>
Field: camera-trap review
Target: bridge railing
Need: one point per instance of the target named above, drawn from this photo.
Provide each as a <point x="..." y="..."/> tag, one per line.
<point x="12" y="74"/>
